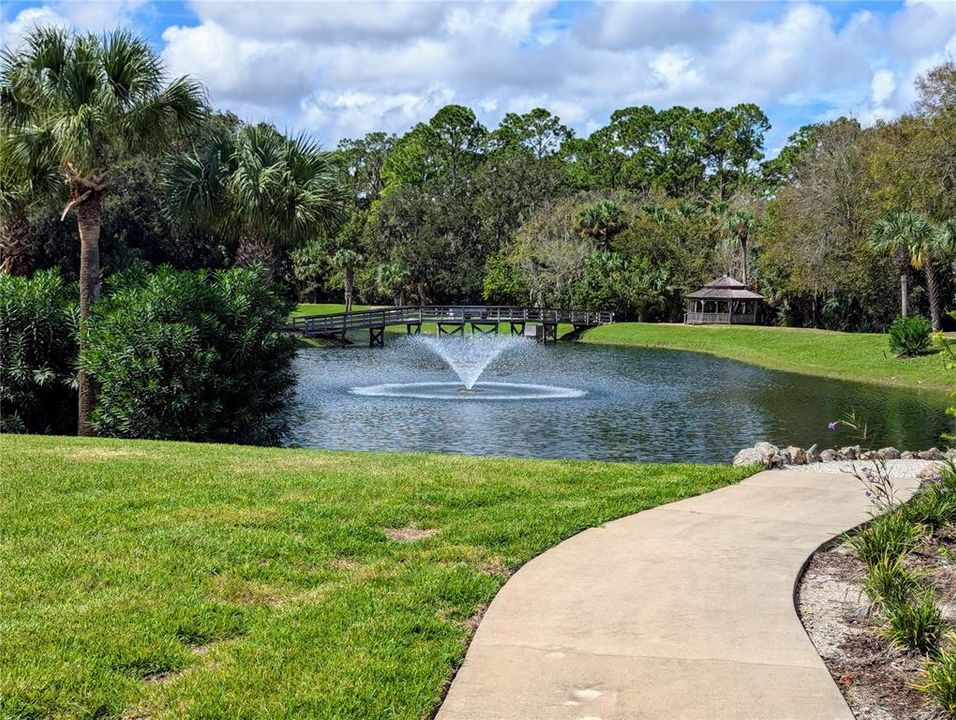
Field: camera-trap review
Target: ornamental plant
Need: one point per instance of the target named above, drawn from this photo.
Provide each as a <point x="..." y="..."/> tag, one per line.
<point x="914" y="624"/>
<point x="939" y="678"/>
<point x="38" y="321"/>
<point x="191" y="356"/>
<point x="910" y="336"/>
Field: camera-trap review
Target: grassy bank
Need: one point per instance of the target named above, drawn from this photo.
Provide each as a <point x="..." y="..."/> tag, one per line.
<point x="303" y="309"/>
<point x="168" y="580"/>
<point x="863" y="357"/>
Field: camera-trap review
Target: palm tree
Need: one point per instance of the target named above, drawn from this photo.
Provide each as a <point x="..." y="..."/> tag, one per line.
<point x="905" y="235"/>
<point x="391" y="279"/>
<point x="345" y="261"/>
<point x="601" y="222"/>
<point x="736" y="225"/>
<point x="87" y="101"/>
<point x="257" y="188"/>
<point x="939" y="243"/>
<point x="25" y="177"/>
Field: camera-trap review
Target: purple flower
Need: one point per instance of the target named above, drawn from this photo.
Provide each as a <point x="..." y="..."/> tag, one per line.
<point x="832" y="425"/>
<point x="867" y="493"/>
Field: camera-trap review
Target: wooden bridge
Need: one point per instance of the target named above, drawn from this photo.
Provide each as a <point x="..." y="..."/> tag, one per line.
<point x="450" y="320"/>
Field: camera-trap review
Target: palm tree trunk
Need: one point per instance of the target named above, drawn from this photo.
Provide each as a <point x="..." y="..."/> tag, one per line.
<point x="253" y="248"/>
<point x="902" y="258"/>
<point x="17" y="246"/>
<point x="348" y="278"/>
<point x="932" y="290"/>
<point x="88" y="215"/>
<point x="904" y="294"/>
<point x="743" y="253"/>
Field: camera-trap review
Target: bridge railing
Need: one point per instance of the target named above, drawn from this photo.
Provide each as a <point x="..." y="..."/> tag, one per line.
<point x="414" y="314"/>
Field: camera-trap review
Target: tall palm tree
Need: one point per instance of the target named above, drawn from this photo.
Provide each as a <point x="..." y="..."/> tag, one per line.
<point x="258" y="188"/>
<point x="88" y="101"/>
<point x="25" y="177"/>
<point x="905" y="235"/>
<point x="391" y="279"/>
<point x="938" y="244"/>
<point x="736" y="225"/>
<point x="346" y="261"/>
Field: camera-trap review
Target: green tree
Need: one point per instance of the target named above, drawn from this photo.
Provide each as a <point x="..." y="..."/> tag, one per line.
<point x="92" y="100"/>
<point x="904" y="235"/>
<point x="259" y="189"/>
<point x="732" y="144"/>
<point x="448" y="147"/>
<point x="679" y="170"/>
<point x="26" y="176"/>
<point x="538" y="132"/>
<point x="601" y="222"/>
<point x="391" y="279"/>
<point x="363" y="161"/>
<point x="737" y="222"/>
<point x="781" y="169"/>
<point x="345" y="262"/>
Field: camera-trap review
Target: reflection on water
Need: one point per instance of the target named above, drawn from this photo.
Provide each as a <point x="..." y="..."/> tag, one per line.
<point x="638" y="404"/>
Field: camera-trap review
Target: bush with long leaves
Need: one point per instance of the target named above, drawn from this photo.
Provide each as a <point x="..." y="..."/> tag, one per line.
<point x="38" y="322"/>
<point x="191" y="356"/>
<point x="939" y="678"/>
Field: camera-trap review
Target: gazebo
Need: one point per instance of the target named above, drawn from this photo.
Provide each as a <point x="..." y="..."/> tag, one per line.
<point x="724" y="301"/>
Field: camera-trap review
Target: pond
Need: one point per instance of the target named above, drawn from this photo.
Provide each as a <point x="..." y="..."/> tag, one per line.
<point x="592" y="401"/>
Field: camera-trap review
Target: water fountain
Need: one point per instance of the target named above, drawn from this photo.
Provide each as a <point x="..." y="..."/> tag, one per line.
<point x="468" y="357"/>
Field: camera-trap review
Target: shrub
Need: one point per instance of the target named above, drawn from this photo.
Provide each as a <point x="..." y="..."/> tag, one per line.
<point x="910" y="336"/>
<point x="191" y="356"/>
<point x="887" y="537"/>
<point x="916" y="623"/>
<point x="38" y="323"/>
<point x="940" y="678"/>
<point x="888" y="581"/>
<point x="933" y="507"/>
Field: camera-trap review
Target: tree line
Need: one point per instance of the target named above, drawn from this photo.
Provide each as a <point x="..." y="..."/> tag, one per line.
<point x="108" y="167"/>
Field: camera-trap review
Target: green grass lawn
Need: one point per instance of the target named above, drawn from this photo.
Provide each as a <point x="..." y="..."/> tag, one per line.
<point x="321" y="309"/>
<point x="168" y="580"/>
<point x="864" y="357"/>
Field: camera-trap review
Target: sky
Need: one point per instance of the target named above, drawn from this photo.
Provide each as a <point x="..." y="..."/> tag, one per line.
<point x="342" y="69"/>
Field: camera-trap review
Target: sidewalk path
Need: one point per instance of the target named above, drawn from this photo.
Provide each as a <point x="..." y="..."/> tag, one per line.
<point x="683" y="611"/>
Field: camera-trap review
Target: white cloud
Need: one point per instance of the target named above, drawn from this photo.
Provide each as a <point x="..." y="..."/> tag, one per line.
<point x="93" y="16"/>
<point x="883" y="85"/>
<point x="353" y="113"/>
<point x="12" y="32"/>
<point x="266" y="73"/>
<point x="344" y="68"/>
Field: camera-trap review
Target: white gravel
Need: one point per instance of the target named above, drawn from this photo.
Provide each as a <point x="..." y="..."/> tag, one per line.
<point x="897" y="468"/>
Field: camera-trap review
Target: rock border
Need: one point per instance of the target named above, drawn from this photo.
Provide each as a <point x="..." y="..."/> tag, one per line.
<point x="771" y="457"/>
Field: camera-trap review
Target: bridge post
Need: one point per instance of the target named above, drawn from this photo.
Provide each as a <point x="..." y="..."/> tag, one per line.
<point x="413" y="328"/>
<point x="458" y="328"/>
<point x="517" y="328"/>
<point x="376" y="336"/>
<point x="478" y="327"/>
<point x="549" y="332"/>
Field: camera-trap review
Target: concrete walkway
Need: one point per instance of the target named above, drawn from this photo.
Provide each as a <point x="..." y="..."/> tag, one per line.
<point x="682" y="611"/>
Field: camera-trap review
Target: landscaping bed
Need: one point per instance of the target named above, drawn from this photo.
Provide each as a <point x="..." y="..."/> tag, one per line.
<point x="173" y="580"/>
<point x="879" y="672"/>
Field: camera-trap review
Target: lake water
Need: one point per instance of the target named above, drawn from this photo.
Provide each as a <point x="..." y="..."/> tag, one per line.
<point x="629" y="404"/>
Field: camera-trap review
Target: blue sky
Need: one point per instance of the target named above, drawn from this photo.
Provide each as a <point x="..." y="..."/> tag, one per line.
<point x="340" y="69"/>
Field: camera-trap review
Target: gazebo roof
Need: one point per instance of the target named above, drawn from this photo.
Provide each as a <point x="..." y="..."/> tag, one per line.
<point x="724" y="288"/>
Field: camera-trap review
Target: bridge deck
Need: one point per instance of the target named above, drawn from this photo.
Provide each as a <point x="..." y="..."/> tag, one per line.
<point x="339" y="323"/>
